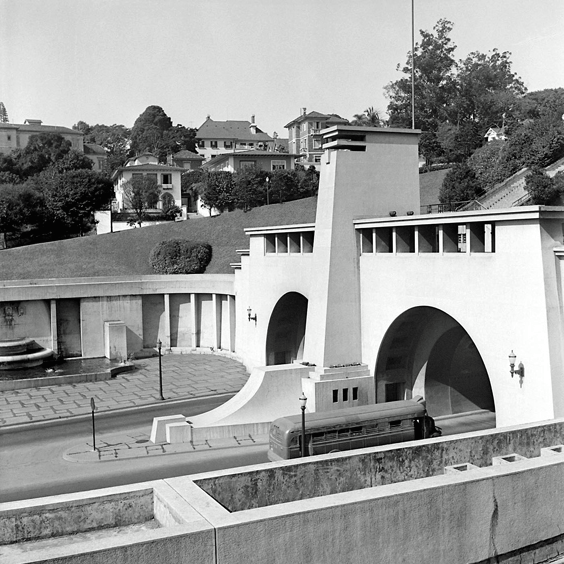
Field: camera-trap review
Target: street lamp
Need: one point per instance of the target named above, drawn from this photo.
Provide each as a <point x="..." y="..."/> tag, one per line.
<point x="303" y="401"/>
<point x="159" y="346"/>
<point x="267" y="195"/>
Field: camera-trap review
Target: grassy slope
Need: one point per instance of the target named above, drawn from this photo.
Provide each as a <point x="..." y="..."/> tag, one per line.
<point x="127" y="252"/>
<point x="429" y="185"/>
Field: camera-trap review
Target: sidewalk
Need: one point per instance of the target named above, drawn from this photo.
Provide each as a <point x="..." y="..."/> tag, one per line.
<point x="185" y="376"/>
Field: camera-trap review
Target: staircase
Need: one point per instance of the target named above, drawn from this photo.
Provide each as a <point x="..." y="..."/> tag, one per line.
<point x="511" y="192"/>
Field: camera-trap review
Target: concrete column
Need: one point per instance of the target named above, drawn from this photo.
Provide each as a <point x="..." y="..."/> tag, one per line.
<point x="441" y="239"/>
<point x="194" y="315"/>
<point x="54" y="334"/>
<point x="166" y="337"/>
<point x="216" y="301"/>
<point x="231" y="314"/>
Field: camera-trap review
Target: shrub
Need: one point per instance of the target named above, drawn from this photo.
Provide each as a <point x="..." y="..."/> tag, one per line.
<point x="179" y="256"/>
<point x="542" y="189"/>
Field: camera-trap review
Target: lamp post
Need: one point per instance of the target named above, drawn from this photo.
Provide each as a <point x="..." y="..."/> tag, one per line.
<point x="267" y="195"/>
<point x="303" y="401"/>
<point x="159" y="346"/>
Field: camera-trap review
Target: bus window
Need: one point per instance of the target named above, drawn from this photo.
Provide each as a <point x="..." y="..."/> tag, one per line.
<point x="318" y="437"/>
<point x="395" y="424"/>
<point x="343" y="433"/>
<point x="356" y="431"/>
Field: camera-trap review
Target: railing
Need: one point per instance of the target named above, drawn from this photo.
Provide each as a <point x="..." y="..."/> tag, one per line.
<point x="451" y="207"/>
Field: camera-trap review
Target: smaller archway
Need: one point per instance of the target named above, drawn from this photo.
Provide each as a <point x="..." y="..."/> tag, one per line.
<point x="286" y="330"/>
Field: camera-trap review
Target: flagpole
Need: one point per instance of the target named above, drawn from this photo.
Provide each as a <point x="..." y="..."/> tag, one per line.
<point x="412" y="65"/>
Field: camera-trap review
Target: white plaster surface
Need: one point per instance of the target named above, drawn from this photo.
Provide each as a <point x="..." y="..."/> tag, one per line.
<point x="158" y="430"/>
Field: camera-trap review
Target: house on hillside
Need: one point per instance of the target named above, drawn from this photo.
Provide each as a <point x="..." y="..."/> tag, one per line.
<point x="218" y="137"/>
<point x="496" y="134"/>
<point x="186" y="159"/>
<point x="97" y="154"/>
<point x="168" y="178"/>
<point x="265" y="160"/>
<point x="304" y="136"/>
<point x="16" y="135"/>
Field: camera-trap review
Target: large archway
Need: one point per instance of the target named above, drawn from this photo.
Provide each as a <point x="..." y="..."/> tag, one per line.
<point x="427" y="352"/>
<point x="286" y="330"/>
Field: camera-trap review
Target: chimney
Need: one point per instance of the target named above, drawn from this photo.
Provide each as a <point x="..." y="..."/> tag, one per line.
<point x="303" y="111"/>
<point x="253" y="125"/>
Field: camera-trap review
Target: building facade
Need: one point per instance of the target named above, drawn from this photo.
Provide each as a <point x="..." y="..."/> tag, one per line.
<point x="265" y="160"/>
<point x="304" y="135"/>
<point x="218" y="137"/>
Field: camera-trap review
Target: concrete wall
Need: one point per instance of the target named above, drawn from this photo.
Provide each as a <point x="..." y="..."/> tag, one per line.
<point x="23" y="318"/>
<point x="509" y="512"/>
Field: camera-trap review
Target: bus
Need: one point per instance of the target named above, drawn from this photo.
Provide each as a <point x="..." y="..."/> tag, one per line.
<point x="350" y="428"/>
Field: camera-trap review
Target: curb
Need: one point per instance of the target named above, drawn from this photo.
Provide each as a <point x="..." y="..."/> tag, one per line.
<point x="4" y="429"/>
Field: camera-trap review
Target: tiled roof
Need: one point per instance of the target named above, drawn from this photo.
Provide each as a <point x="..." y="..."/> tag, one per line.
<point x="231" y="130"/>
<point x="333" y="118"/>
<point x="94" y="149"/>
<point x="48" y="129"/>
<point x="187" y="155"/>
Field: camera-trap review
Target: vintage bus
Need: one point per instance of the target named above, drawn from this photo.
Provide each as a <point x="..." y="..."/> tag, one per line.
<point x="350" y="428"/>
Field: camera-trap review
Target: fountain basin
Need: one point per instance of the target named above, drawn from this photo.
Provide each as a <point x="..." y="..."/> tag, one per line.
<point x="22" y="353"/>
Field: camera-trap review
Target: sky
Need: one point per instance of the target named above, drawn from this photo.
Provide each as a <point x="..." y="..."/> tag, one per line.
<point x="105" y="61"/>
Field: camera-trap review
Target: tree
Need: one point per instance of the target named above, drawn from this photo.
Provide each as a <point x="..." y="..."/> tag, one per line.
<point x="484" y="163"/>
<point x="459" y="185"/>
<point x="542" y="189"/>
<point x="180" y="256"/>
<point x="250" y="188"/>
<point x="309" y="181"/>
<point x="20" y="207"/>
<point x="435" y="85"/>
<point x="148" y="130"/>
<point x="3" y="113"/>
<point x="73" y="160"/>
<point x="140" y="195"/>
<point x="487" y="89"/>
<point x="71" y="198"/>
<point x="545" y="104"/>
<point x="284" y="186"/>
<point x="41" y="151"/>
<point x="370" y="118"/>
<point x="115" y="139"/>
<point x="218" y="191"/>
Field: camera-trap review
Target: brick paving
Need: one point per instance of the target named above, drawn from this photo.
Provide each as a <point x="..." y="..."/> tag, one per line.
<point x="184" y="376"/>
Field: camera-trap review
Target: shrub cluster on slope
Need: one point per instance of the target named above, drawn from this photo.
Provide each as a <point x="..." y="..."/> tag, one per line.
<point x="180" y="256"/>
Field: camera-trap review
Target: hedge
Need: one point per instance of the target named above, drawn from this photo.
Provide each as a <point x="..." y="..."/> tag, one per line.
<point x="180" y="256"/>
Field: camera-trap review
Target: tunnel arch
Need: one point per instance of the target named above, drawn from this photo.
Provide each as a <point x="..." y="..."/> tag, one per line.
<point x="427" y="352"/>
<point x="286" y="329"/>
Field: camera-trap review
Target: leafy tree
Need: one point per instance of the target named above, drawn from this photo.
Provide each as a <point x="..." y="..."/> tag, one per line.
<point x="459" y="185"/>
<point x="41" y="151"/>
<point x="140" y="195"/>
<point x="250" y="188"/>
<point x="284" y="186"/>
<point x="3" y="113"/>
<point x="178" y="138"/>
<point x="73" y="160"/>
<point x="217" y="191"/>
<point x="114" y="138"/>
<point x="435" y="85"/>
<point x="487" y="89"/>
<point x="369" y="118"/>
<point x="542" y="189"/>
<point x="20" y="207"/>
<point x="545" y="104"/>
<point x="170" y="209"/>
<point x="309" y="181"/>
<point x="71" y="198"/>
<point x="148" y="130"/>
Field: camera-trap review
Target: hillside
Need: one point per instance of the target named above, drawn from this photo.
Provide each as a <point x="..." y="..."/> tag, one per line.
<point x="429" y="185"/>
<point x="127" y="253"/>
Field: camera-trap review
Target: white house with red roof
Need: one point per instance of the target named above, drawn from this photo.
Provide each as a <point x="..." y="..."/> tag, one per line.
<point x="218" y="137"/>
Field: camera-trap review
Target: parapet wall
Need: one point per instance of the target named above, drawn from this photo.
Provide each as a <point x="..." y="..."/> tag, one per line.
<point x="385" y="505"/>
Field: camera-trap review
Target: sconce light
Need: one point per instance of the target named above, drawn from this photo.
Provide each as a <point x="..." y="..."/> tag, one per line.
<point x="520" y="370"/>
<point x="252" y="317"/>
<point x="392" y="213"/>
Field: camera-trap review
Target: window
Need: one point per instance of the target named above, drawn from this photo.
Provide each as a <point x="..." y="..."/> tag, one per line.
<point x="228" y="144"/>
<point x="278" y="165"/>
<point x="345" y="394"/>
<point x="166" y="178"/>
<point x="335" y="396"/>
<point x="201" y="143"/>
<point x="317" y="159"/>
<point x="251" y="145"/>
<point x="247" y="164"/>
<point x="9" y="137"/>
<point x="213" y="144"/>
<point x="355" y="393"/>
